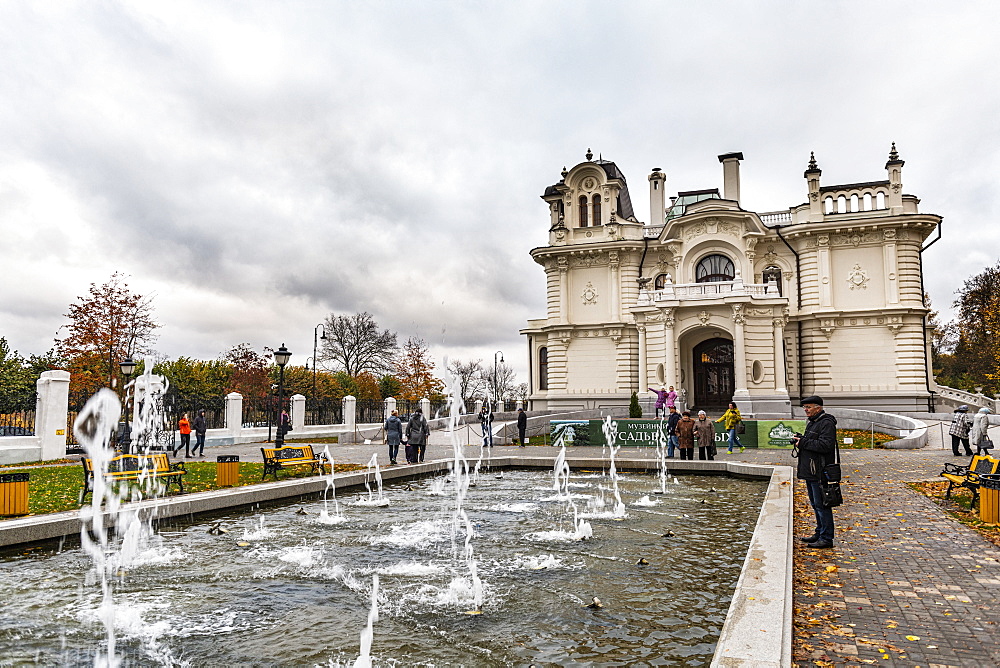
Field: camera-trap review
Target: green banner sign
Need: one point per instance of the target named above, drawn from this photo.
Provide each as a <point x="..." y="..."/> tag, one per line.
<point x="632" y="433"/>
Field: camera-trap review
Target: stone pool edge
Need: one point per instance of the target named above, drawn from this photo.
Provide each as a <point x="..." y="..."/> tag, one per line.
<point x="758" y="626"/>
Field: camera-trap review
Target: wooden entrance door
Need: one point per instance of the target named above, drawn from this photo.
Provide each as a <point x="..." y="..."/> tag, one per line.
<point x="713" y="373"/>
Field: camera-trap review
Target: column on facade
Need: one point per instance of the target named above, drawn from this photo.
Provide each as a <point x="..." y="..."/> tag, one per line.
<point x="891" y="271"/>
<point x="669" y="355"/>
<point x="615" y="286"/>
<point x="642" y="357"/>
<point x="563" y="265"/>
<point x="739" y="349"/>
<point x="823" y="259"/>
<point x="780" y="379"/>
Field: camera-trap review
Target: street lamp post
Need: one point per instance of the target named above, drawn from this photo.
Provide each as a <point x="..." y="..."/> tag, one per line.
<point x="127" y="366"/>
<point x="315" y="344"/>
<point x="281" y="356"/>
<point x="496" y="386"/>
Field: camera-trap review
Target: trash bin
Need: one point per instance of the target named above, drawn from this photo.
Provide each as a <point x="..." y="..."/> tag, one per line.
<point x="227" y="470"/>
<point x="989" y="498"/>
<point x="14" y="494"/>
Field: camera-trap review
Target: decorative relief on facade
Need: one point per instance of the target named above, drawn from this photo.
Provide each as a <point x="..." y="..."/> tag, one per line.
<point x="589" y="183"/>
<point x="759" y="312"/>
<point x="858" y="278"/>
<point x="739" y="317"/>
<point x="613" y="259"/>
<point x="668" y="317"/>
<point x="730" y="228"/>
<point x="827" y="325"/>
<point x="823" y="240"/>
<point x="589" y="295"/>
<point x="591" y="259"/>
<point x="563" y="263"/>
<point x="889" y="234"/>
<point x="694" y="231"/>
<point x="704" y="316"/>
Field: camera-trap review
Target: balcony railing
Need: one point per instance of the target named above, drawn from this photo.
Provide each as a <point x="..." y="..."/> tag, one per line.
<point x="695" y="291"/>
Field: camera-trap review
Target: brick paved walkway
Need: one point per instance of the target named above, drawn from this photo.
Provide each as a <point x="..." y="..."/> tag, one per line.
<point x="904" y="568"/>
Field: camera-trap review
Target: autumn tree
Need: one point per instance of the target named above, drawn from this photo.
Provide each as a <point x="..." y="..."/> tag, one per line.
<point x="17" y="380"/>
<point x="250" y="373"/>
<point x="105" y="326"/>
<point x="468" y="375"/>
<point x="976" y="358"/>
<point x="355" y="344"/>
<point x="415" y="371"/>
<point x="195" y="383"/>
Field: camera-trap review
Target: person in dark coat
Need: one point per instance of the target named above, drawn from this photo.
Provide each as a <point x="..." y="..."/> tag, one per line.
<point x="486" y="422"/>
<point x="393" y="435"/>
<point x="704" y="431"/>
<point x="200" y="427"/>
<point x="816" y="448"/>
<point x="522" y="426"/>
<point x="672" y="421"/>
<point x="685" y="436"/>
<point x="417" y="432"/>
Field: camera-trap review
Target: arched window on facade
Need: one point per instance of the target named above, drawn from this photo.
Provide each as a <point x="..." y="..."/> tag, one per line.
<point x="772" y="273"/>
<point x="714" y="269"/>
<point x="597" y="210"/>
<point x="660" y="282"/>
<point x="543" y="368"/>
<point x="583" y="211"/>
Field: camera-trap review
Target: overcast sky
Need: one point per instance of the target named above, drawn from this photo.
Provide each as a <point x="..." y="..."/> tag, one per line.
<point x="259" y="165"/>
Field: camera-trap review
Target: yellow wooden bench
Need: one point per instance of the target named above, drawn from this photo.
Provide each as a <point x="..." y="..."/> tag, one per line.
<point x="277" y="458"/>
<point x="133" y="467"/>
<point x="968" y="476"/>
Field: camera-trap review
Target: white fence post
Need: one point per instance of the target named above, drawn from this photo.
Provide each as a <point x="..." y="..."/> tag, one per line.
<point x="390" y="406"/>
<point x="298" y="412"/>
<point x="234" y="414"/>
<point x="51" y="412"/>
<point x="425" y="406"/>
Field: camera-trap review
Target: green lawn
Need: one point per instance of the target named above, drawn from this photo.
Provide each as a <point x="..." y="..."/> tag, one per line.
<point x="54" y="488"/>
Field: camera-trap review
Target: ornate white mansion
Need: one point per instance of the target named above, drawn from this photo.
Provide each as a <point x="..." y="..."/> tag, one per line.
<point x="727" y="304"/>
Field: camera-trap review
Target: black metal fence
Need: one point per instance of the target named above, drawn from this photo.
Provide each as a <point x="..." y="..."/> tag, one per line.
<point x="369" y="412"/>
<point x="324" y="411"/>
<point x="175" y="405"/>
<point x="17" y="423"/>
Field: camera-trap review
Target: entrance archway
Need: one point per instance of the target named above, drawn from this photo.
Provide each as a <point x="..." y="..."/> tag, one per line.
<point x="713" y="373"/>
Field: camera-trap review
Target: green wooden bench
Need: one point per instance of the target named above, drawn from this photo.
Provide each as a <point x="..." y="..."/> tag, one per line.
<point x="968" y="476"/>
<point x="276" y="459"/>
<point x="133" y="467"/>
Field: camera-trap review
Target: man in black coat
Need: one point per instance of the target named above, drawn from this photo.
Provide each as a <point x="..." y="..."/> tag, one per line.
<point x="672" y="421"/>
<point x="522" y="426"/>
<point x="816" y="449"/>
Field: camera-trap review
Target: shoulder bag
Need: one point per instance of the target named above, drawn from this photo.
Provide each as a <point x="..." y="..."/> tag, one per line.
<point x="832" y="494"/>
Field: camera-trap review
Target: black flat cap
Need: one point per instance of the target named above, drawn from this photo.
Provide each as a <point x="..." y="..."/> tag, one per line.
<point x="812" y="400"/>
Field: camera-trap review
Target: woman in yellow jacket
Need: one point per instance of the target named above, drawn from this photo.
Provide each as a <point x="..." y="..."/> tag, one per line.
<point x="732" y="418"/>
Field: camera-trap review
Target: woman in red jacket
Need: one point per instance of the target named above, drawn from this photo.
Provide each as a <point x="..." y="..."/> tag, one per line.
<point x="184" y="426"/>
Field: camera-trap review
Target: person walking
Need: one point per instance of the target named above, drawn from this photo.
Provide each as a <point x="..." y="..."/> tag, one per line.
<point x="685" y="436"/>
<point x="672" y="421"/>
<point x="184" y="427"/>
<point x="393" y="435"/>
<point x="522" y="427"/>
<point x="486" y="422"/>
<point x="816" y="448"/>
<point x="417" y="432"/>
<point x="704" y="431"/>
<point x="960" y="426"/>
<point x="661" y="399"/>
<point x="732" y="418"/>
<point x="200" y="427"/>
<point x="979" y="435"/>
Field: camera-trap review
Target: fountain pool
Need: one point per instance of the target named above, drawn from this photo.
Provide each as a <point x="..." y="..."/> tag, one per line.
<point x="285" y="588"/>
